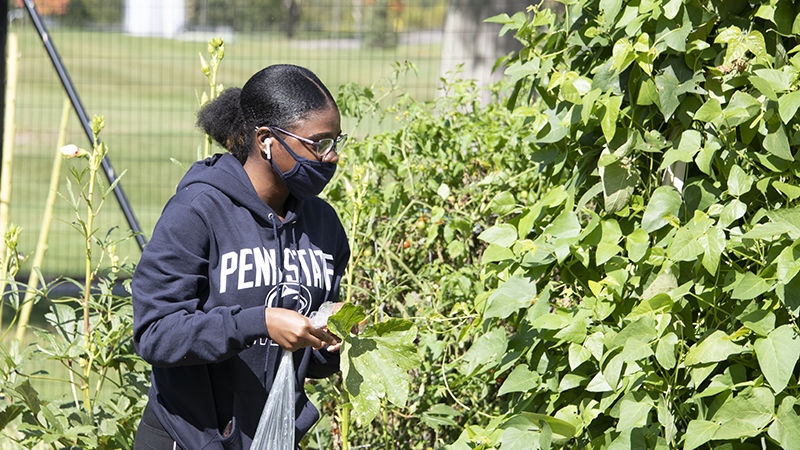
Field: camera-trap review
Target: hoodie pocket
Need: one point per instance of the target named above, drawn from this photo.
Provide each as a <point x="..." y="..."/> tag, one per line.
<point x="234" y="439"/>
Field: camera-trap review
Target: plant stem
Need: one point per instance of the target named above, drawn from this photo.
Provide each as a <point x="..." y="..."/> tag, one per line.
<point x="345" y="425"/>
<point x="8" y="150"/>
<point x="44" y="231"/>
<point x="94" y="165"/>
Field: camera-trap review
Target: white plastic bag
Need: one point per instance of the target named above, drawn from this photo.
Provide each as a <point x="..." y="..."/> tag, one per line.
<point x="276" y="426"/>
<point x="319" y="318"/>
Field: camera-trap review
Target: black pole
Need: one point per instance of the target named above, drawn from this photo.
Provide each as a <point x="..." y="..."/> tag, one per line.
<point x="3" y="35"/>
<point x="84" y="118"/>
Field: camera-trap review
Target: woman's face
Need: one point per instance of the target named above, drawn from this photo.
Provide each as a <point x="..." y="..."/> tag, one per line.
<point x="318" y="125"/>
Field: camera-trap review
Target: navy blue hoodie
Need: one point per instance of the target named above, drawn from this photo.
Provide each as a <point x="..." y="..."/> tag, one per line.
<point x="217" y="257"/>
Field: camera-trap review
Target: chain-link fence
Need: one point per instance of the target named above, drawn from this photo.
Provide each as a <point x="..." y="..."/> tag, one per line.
<point x="136" y="63"/>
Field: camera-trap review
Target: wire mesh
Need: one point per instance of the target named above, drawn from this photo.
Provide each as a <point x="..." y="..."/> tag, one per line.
<point x="136" y="63"/>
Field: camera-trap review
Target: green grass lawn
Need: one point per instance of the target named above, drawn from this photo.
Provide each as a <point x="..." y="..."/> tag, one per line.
<point x="147" y="90"/>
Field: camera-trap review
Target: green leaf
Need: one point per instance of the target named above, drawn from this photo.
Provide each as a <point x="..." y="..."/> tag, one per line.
<point x="668" y="98"/>
<point x="665" y="350"/>
<point x="768" y="231"/>
<point x="672" y="8"/>
<point x="610" y="236"/>
<point x="709" y="112"/>
<point x="714" y="246"/>
<point x="698" y="433"/>
<point x="750" y="286"/>
<point x="741" y="108"/>
<point x="745" y="415"/>
<point x="622" y="54"/>
<point x="519" y="439"/>
<point x="489" y="347"/>
<point x="788" y="263"/>
<point x="440" y="415"/>
<point x="665" y="204"/>
<point x="521" y="379"/>
<point x="609" y="121"/>
<point x="9" y="413"/>
<point x="787" y="219"/>
<point x="566" y="226"/>
<point x="375" y="364"/>
<point x="739" y="182"/>
<point x="706" y="155"/>
<point x="642" y="330"/>
<point x="789" y="295"/>
<point x="513" y="294"/>
<point x="494" y="253"/>
<point x="588" y="102"/>
<point x="29" y="396"/>
<point x="778" y="80"/>
<point x="561" y="428"/>
<point x="664" y="283"/>
<point x="715" y="347"/>
<point x="786" y="427"/>
<point x="789" y="190"/>
<point x="688" y="146"/>
<point x="348" y="316"/>
<point x="734" y="210"/>
<point x="610" y="9"/>
<point x="754" y="41"/>
<point x="619" y="181"/>
<point x="654" y="305"/>
<point x="502" y="203"/>
<point x="689" y="241"/>
<point x="760" y="321"/>
<point x="637" y="243"/>
<point x="777" y="356"/>
<point x="787" y="106"/>
<point x="503" y="235"/>
<point x="633" y="413"/>
<point x="777" y="144"/>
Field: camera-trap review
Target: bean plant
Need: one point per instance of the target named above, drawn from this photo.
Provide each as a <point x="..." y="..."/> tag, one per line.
<point x="605" y="256"/>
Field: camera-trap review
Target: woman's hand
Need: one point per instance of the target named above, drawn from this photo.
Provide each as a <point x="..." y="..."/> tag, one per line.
<point x="292" y="330"/>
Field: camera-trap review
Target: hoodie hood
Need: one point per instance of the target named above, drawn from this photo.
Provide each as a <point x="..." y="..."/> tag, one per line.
<point x="225" y="173"/>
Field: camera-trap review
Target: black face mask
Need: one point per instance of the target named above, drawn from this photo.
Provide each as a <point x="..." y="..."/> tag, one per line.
<point x="308" y="177"/>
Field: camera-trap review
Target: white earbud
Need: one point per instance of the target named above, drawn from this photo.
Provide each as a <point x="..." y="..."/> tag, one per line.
<point x="268" y="148"/>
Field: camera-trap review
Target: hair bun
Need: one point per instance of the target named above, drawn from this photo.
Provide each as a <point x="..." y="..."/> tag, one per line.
<point x="222" y="119"/>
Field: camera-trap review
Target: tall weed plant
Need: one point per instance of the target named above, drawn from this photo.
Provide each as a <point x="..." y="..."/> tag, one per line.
<point x="104" y="383"/>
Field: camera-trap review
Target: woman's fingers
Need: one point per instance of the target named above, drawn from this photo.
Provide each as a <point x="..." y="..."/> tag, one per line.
<point x="325" y="335"/>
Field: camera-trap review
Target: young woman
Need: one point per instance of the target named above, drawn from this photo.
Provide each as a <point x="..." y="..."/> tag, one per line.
<point x="241" y="255"/>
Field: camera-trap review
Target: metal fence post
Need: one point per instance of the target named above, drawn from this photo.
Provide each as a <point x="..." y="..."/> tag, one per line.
<point x="69" y="87"/>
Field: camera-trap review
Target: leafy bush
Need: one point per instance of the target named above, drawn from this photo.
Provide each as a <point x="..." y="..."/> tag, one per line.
<point x="653" y="279"/>
<point x="637" y="202"/>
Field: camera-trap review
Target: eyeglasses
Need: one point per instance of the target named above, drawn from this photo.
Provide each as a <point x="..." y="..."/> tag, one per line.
<point x="320" y="147"/>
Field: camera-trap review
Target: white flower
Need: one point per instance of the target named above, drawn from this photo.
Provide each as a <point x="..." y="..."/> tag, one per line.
<point x="72" y="151"/>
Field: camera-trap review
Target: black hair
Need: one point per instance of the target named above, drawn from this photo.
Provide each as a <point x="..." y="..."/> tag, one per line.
<point x="278" y="95"/>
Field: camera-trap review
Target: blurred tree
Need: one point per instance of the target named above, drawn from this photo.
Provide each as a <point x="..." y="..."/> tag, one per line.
<point x="383" y="22"/>
<point x="470" y="42"/>
<point x="98" y="12"/>
<point x="241" y="15"/>
<point x="292" y="16"/>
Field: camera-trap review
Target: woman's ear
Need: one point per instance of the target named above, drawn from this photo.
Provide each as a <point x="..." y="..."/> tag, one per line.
<point x="267" y="149"/>
<point x="264" y="139"/>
